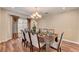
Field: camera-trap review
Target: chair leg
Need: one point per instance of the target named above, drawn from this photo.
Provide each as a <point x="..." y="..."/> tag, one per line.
<point x="31" y="48"/>
<point x="45" y="48"/>
<point x="23" y="42"/>
<point x="57" y="50"/>
<point x="26" y="44"/>
<point x="60" y="49"/>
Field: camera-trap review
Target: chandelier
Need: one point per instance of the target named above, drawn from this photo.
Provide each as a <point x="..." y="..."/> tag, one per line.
<point x="36" y="15"/>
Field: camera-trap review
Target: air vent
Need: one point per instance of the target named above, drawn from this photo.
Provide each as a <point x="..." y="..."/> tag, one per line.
<point x="46" y="12"/>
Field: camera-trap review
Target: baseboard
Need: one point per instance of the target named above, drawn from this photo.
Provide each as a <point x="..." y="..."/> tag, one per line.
<point x="2" y="41"/>
<point x="71" y="41"/>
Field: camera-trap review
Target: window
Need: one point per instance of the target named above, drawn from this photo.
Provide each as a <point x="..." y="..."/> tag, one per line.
<point x="22" y="24"/>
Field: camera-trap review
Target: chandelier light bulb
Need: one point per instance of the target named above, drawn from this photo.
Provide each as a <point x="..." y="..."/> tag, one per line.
<point x="36" y="15"/>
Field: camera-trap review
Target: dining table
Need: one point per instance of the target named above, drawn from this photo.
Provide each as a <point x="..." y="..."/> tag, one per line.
<point x="47" y="39"/>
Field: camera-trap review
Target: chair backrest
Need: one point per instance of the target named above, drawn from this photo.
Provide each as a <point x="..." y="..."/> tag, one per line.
<point x="60" y="39"/>
<point x="27" y="36"/>
<point x="23" y="34"/>
<point x="35" y="40"/>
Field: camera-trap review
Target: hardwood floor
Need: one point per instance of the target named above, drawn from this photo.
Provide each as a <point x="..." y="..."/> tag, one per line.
<point x="15" y="45"/>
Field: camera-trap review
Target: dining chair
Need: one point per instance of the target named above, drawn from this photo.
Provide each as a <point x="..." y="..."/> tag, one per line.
<point x="56" y="44"/>
<point x="27" y="36"/>
<point x="35" y="42"/>
<point x="29" y="42"/>
<point x="24" y="41"/>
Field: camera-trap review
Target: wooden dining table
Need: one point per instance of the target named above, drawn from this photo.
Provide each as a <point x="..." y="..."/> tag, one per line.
<point x="47" y="39"/>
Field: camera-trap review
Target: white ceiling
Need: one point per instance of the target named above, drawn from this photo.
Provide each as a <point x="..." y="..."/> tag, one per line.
<point x="42" y="10"/>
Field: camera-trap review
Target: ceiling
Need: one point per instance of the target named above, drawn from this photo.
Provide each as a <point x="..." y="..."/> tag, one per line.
<point x="41" y="10"/>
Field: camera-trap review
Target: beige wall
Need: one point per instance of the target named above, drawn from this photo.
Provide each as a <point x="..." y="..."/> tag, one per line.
<point x="65" y="22"/>
<point x="5" y="26"/>
<point x="78" y="26"/>
<point x="0" y="24"/>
